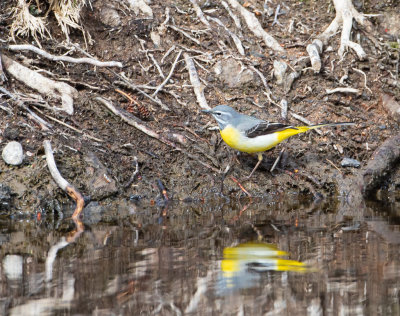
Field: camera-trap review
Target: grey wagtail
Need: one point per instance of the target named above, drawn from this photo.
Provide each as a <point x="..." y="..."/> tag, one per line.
<point x="252" y="135"/>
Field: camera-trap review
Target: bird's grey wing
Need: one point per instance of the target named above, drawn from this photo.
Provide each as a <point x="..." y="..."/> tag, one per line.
<point x="264" y="128"/>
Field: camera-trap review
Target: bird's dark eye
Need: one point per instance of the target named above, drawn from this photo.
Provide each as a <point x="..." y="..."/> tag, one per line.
<point x="217" y="113"/>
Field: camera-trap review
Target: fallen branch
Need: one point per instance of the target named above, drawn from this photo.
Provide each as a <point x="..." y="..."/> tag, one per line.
<point x="68" y="59"/>
<point x="42" y="84"/>
<point x="61" y="182"/>
<point x="195" y="81"/>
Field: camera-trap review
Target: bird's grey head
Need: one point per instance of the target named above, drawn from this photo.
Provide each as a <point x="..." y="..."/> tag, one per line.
<point x="223" y="114"/>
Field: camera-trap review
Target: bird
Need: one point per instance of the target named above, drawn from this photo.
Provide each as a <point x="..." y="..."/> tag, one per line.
<point x="250" y="134"/>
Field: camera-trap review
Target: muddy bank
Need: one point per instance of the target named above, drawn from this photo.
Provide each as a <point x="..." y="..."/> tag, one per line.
<point x="95" y="150"/>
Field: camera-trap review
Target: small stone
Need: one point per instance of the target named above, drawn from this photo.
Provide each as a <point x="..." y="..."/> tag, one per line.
<point x="349" y="162"/>
<point x="13" y="153"/>
<point x="231" y="73"/>
<point x="109" y="16"/>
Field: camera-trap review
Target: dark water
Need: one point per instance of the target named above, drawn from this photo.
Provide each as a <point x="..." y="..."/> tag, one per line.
<point x="214" y="258"/>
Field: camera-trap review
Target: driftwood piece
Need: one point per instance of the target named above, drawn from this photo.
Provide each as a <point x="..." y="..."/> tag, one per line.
<point x="42" y="84"/>
<point x="61" y="182"/>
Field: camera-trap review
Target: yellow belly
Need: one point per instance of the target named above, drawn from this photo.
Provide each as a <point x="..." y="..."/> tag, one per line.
<point x="238" y="141"/>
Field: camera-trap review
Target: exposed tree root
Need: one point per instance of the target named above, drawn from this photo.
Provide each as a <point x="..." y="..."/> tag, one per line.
<point x="345" y="13"/>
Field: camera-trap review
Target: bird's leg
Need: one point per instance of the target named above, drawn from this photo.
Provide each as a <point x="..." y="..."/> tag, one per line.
<point x="260" y="158"/>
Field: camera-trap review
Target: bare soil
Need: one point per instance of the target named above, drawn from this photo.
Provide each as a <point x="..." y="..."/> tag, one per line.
<point x="311" y="162"/>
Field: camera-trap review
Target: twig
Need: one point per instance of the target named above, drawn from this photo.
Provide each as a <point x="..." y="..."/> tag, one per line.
<point x="277" y="160"/>
<point x="43" y="124"/>
<point x="276" y="16"/>
<point x="262" y="77"/>
<point x="4" y="108"/>
<point x="167" y="53"/>
<point x="169" y="75"/>
<point x="128" y="184"/>
<point x="232" y="15"/>
<point x="184" y="33"/>
<point x="134" y="87"/>
<point x="194" y="79"/>
<point x="235" y="38"/>
<point x="61" y="182"/>
<point x="73" y="128"/>
<point x="241" y="186"/>
<point x="83" y="60"/>
<point x="284" y="109"/>
<point x="334" y="165"/>
<point x="163" y="190"/>
<point x="304" y="120"/>
<point x="199" y="13"/>
<point x="157" y="65"/>
<point x="365" y="78"/>
<point x="314" y="50"/>
<point x="343" y="90"/>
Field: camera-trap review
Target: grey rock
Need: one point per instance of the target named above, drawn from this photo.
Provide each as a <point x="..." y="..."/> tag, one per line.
<point x="109" y="16"/>
<point x="231" y="72"/>
<point x="13" y="153"/>
<point x="349" y="162"/>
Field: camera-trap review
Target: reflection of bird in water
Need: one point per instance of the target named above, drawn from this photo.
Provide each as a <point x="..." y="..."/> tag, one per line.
<point x="242" y="264"/>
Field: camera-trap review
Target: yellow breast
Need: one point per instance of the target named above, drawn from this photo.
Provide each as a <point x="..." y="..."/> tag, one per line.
<point x="231" y="136"/>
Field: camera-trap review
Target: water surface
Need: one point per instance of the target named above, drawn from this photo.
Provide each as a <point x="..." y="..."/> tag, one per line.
<point x="219" y="257"/>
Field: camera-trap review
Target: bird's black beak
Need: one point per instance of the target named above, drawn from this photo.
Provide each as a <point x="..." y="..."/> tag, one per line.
<point x="206" y="111"/>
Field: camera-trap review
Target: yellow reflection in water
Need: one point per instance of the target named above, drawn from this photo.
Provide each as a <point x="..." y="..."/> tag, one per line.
<point x="254" y="256"/>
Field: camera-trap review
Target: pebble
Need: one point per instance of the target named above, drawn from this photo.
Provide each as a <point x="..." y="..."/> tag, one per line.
<point x="13" y="153"/>
<point x="349" y="162"/>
